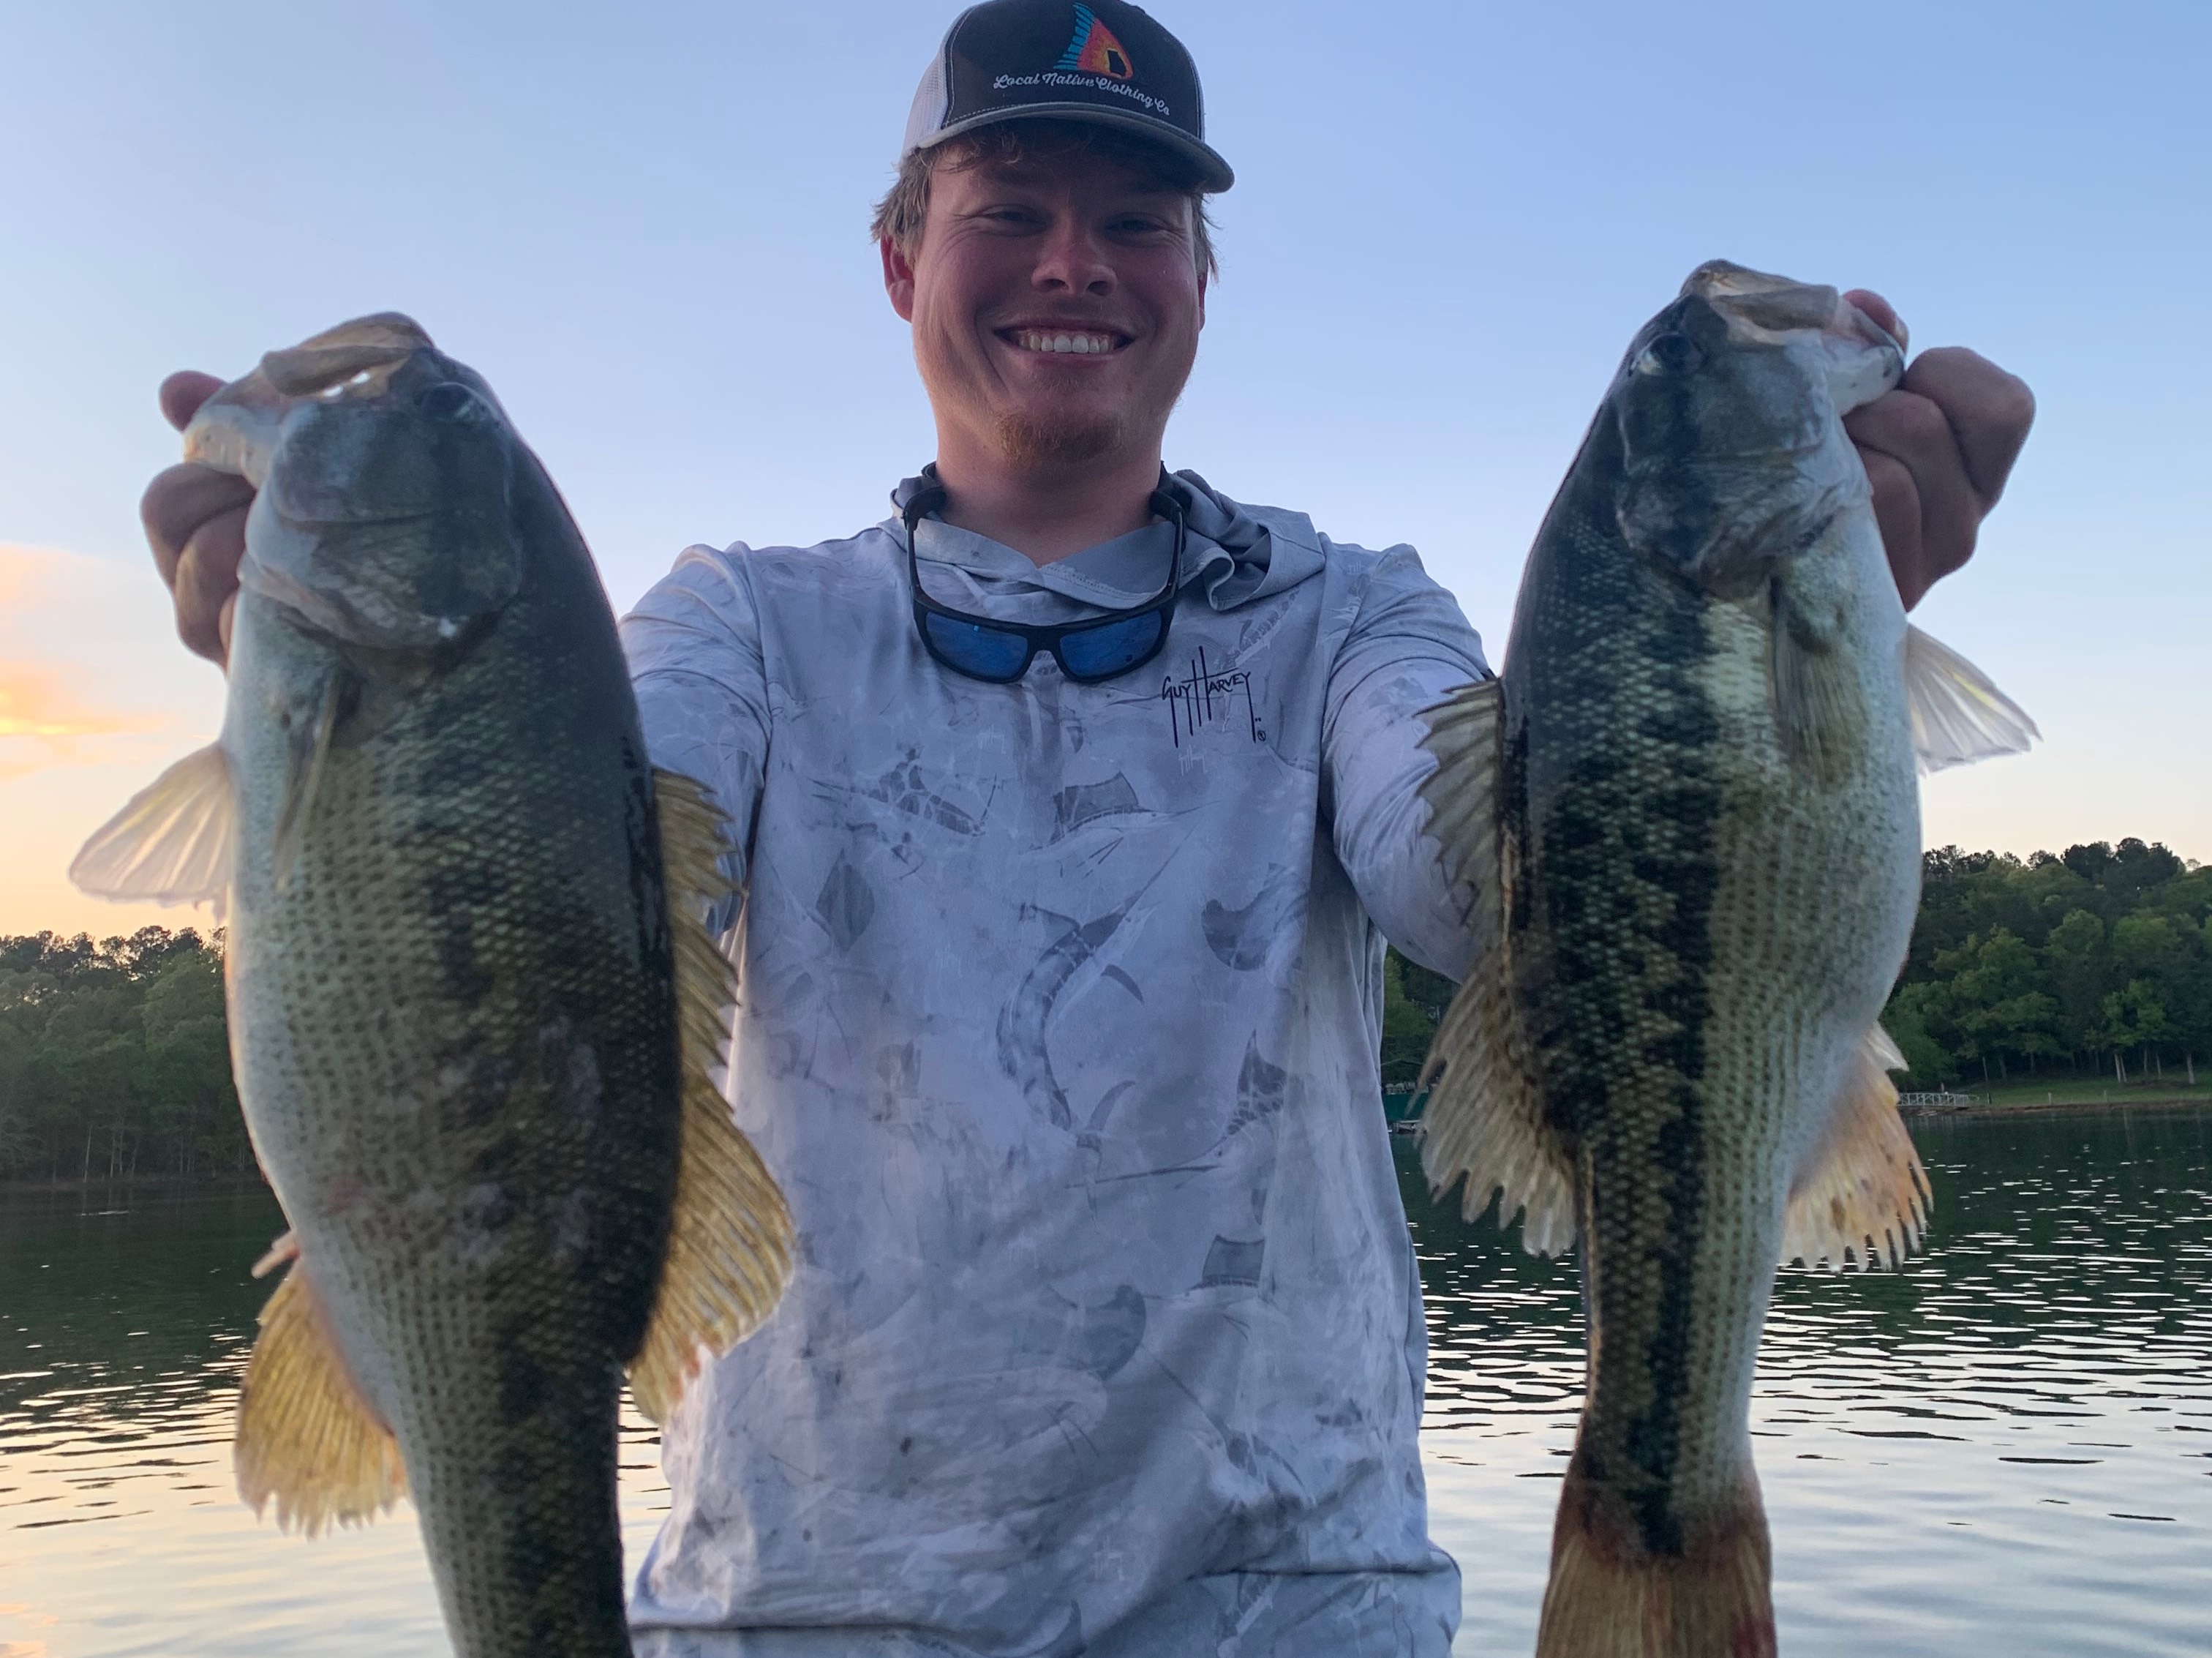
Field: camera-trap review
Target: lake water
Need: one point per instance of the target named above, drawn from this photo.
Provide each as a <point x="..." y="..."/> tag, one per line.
<point x="2005" y="1448"/>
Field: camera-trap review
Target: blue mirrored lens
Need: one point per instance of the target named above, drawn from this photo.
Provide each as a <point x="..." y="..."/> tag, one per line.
<point x="986" y="652"/>
<point x="1099" y="653"/>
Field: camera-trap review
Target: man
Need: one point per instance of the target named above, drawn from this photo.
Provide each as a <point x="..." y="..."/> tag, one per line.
<point x="1077" y="801"/>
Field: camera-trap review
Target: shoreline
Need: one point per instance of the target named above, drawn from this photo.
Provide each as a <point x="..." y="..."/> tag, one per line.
<point x="243" y="1181"/>
<point x="2051" y="1107"/>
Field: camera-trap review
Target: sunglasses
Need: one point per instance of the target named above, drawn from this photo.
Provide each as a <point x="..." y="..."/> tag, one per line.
<point x="983" y="647"/>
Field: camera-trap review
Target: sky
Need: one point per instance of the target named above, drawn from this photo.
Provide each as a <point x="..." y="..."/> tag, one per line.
<point x="646" y="226"/>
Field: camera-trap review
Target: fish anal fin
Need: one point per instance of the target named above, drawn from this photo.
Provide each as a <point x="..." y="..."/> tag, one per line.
<point x="305" y="1436"/>
<point x="1612" y="1595"/>
<point x="1485" y="1119"/>
<point x="1861" y="1196"/>
<point x="1957" y="715"/>
<point x="174" y="842"/>
<point x="729" y="1245"/>
<point x="1466" y="733"/>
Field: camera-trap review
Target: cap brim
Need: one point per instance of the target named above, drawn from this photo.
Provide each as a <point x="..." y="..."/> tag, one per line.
<point x="1214" y="174"/>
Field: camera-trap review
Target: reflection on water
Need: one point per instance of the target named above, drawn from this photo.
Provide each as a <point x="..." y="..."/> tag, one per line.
<point x="2005" y="1448"/>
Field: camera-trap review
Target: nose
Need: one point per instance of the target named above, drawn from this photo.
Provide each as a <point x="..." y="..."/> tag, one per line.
<point x="1073" y="261"/>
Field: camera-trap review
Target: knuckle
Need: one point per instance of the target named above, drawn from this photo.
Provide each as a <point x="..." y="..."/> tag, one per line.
<point x="2011" y="403"/>
<point x="1918" y="420"/>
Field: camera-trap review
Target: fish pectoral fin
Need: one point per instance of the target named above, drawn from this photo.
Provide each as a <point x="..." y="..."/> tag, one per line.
<point x="1819" y="708"/>
<point x="1466" y="735"/>
<point x="729" y="1244"/>
<point x="305" y="1436"/>
<point x="1958" y="715"/>
<point x="173" y="843"/>
<point x="1862" y="1191"/>
<point x="1485" y="1119"/>
<point x="305" y="753"/>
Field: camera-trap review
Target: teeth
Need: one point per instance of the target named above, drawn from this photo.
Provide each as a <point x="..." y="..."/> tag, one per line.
<point x="1088" y="344"/>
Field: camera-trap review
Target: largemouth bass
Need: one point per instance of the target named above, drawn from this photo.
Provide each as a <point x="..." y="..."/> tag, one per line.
<point x="473" y="1000"/>
<point x="1685" y="822"/>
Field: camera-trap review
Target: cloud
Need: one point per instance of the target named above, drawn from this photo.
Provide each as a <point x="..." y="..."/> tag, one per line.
<point x="48" y="717"/>
<point x="96" y="697"/>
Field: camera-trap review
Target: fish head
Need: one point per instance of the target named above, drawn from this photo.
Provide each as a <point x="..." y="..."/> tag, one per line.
<point x="383" y="470"/>
<point x="1729" y="412"/>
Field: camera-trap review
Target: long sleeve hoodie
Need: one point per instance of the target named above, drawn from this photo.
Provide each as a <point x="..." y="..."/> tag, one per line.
<point x="1059" y="1006"/>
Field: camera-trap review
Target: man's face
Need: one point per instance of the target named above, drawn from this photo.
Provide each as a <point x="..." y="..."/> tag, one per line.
<point x="1055" y="305"/>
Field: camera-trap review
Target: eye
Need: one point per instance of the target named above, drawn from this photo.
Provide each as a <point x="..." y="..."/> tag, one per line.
<point x="448" y="400"/>
<point x="1669" y="354"/>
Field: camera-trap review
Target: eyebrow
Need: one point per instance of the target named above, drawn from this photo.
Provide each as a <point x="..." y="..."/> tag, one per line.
<point x="1029" y="172"/>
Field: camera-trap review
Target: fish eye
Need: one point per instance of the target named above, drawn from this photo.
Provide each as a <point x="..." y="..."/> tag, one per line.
<point x="1669" y="354"/>
<point x="448" y="400"/>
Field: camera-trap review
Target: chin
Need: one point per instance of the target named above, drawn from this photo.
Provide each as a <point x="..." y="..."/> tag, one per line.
<point x="1057" y="438"/>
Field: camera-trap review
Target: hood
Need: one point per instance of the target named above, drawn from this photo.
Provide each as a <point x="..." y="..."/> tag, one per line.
<point x="1234" y="553"/>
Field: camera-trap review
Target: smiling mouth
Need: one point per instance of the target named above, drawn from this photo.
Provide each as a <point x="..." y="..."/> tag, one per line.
<point x="1052" y="342"/>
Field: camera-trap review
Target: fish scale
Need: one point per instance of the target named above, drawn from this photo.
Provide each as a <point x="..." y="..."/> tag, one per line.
<point x="1684" y="825"/>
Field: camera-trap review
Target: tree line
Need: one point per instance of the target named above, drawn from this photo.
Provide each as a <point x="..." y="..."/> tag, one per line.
<point x="2095" y="961"/>
<point x="114" y="1057"/>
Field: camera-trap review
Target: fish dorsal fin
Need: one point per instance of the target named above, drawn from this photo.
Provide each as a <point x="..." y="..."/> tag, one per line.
<point x="1958" y="715"/>
<point x="1483" y="1120"/>
<point x="729" y="1244"/>
<point x="1466" y="735"/>
<point x="1862" y="1193"/>
<point x="305" y="1436"/>
<point x="172" y="843"/>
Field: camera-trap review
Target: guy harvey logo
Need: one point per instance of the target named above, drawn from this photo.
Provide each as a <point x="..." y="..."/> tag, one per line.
<point x="1206" y="697"/>
<point x="1093" y="50"/>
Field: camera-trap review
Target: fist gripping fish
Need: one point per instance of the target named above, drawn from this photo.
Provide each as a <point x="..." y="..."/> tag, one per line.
<point x="1684" y="821"/>
<point x="472" y="1002"/>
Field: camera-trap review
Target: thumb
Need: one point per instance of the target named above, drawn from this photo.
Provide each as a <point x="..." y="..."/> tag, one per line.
<point x="183" y="393"/>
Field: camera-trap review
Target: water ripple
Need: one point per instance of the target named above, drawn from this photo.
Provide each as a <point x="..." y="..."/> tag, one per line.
<point x="2002" y="1448"/>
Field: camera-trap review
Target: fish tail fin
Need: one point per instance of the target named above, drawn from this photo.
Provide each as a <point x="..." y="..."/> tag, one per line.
<point x="729" y="1247"/>
<point x="1612" y="1595"/>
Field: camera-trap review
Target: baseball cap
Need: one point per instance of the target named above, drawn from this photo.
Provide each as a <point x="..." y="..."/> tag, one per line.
<point x="1077" y="60"/>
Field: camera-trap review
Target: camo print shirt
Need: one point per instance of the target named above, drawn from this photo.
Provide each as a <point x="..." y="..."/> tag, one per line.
<point x="1060" y="1011"/>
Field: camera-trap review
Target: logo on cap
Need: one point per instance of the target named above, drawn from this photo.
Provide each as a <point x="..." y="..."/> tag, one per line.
<point x="1093" y="49"/>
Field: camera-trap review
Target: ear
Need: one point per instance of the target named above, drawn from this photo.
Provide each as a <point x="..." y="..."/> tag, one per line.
<point x="898" y="278"/>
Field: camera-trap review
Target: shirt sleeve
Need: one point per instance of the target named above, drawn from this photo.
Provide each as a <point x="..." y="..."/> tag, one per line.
<point x="693" y="643"/>
<point x="1409" y="646"/>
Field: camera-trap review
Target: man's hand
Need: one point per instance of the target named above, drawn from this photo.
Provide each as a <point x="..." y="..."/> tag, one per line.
<point x="1938" y="449"/>
<point x="195" y="520"/>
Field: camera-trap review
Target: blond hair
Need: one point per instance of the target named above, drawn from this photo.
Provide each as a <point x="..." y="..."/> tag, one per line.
<point x="905" y="209"/>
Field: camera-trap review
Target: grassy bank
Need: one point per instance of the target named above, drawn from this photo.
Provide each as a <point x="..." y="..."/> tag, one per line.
<point x="2077" y="1093"/>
